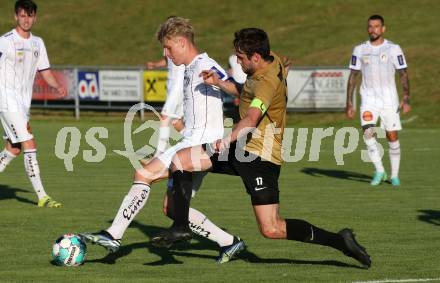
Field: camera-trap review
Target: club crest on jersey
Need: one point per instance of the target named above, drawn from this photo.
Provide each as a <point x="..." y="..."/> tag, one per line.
<point x="383" y="57"/>
<point x="367" y="116"/>
<point x="353" y="60"/>
<point x="400" y="60"/>
<point x="365" y="59"/>
<point x="36" y="53"/>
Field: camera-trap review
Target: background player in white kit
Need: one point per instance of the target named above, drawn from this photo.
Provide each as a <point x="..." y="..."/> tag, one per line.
<point x="378" y="59"/>
<point x="172" y="111"/>
<point x="21" y="55"/>
<point x="203" y="122"/>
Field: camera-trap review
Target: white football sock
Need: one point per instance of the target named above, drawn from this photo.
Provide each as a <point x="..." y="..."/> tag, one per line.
<point x="374" y="154"/>
<point x="33" y="172"/>
<point x="164" y="135"/>
<point x="132" y="203"/>
<point x="5" y="158"/>
<point x="394" y="158"/>
<point x="202" y="226"/>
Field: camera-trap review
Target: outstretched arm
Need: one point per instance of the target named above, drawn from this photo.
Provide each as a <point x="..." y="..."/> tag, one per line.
<point x="211" y="77"/>
<point x="349" y="110"/>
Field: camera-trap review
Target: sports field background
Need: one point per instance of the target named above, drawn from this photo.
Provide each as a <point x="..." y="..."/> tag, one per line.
<point x="399" y="227"/>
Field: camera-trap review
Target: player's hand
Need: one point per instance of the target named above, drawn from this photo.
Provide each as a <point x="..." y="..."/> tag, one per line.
<point x="150" y="65"/>
<point x="178" y="124"/>
<point x="210" y="77"/>
<point x="221" y="145"/>
<point x="62" y="91"/>
<point x="405" y="107"/>
<point x="349" y="111"/>
<point x="287" y="63"/>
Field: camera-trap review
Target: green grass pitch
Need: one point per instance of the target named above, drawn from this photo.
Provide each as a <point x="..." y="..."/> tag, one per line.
<point x="399" y="227"/>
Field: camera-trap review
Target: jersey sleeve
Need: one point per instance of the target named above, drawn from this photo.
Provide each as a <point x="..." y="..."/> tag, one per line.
<point x="355" y="62"/>
<point x="399" y="60"/>
<point x="3" y="48"/>
<point x="264" y="91"/>
<point x="43" y="60"/>
<point x="219" y="70"/>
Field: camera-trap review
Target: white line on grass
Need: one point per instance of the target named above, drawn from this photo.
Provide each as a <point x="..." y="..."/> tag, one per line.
<point x="400" y="280"/>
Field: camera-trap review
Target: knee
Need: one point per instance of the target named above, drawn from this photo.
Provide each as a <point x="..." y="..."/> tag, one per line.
<point x="15" y="150"/>
<point x="270" y="231"/>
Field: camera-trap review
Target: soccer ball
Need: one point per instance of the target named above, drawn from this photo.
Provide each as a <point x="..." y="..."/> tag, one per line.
<point x="69" y="250"/>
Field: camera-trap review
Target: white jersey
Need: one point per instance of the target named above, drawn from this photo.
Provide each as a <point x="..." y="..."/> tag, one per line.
<point x="378" y="65"/>
<point x="202" y="103"/>
<point x="20" y="58"/>
<point x="236" y="70"/>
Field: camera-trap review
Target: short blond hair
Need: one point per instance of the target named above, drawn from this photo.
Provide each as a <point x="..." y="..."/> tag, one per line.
<point x="175" y="26"/>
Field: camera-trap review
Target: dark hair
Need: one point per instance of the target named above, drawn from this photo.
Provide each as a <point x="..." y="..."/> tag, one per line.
<point x="28" y="5"/>
<point x="252" y="40"/>
<point x="377" y="17"/>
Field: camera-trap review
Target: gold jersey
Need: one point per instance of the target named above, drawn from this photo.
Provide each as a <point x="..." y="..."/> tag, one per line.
<point x="269" y="86"/>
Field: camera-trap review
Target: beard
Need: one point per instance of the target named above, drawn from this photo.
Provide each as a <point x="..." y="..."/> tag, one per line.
<point x="374" y="37"/>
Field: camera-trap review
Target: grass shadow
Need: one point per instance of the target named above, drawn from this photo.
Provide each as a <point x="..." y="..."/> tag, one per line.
<point x="430" y="216"/>
<point x="249" y="256"/>
<point x="7" y="192"/>
<point x="167" y="256"/>
<point x="340" y="174"/>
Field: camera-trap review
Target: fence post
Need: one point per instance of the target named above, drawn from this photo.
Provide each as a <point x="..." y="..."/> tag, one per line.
<point x="76" y="95"/>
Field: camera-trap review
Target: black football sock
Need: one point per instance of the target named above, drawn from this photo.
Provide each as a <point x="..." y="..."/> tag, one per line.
<point x="182" y="187"/>
<point x="303" y="231"/>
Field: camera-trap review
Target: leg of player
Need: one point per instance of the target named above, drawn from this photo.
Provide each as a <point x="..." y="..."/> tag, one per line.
<point x="199" y="224"/>
<point x="182" y="174"/>
<point x="33" y="171"/>
<point x="394" y="144"/>
<point x="131" y="205"/>
<point x="272" y="226"/>
<point x="164" y="134"/>
<point x="8" y="154"/>
<point x="374" y="154"/>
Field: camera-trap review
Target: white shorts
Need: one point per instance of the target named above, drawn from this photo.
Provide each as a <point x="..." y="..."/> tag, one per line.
<point x="15" y="125"/>
<point x="191" y="138"/>
<point x="173" y="106"/>
<point x="389" y="118"/>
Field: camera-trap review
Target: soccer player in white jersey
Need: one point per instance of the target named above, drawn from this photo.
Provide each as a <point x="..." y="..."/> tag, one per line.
<point x="377" y="59"/>
<point x="22" y="54"/>
<point x="203" y="122"/>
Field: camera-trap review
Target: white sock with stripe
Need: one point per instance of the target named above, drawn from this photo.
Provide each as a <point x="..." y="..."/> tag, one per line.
<point x="5" y="158"/>
<point x="374" y="154"/>
<point x="132" y="203"/>
<point x="33" y="172"/>
<point x="202" y="226"/>
<point x="394" y="158"/>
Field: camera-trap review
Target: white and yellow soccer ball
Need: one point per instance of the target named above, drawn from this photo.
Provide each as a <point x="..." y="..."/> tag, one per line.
<point x="69" y="250"/>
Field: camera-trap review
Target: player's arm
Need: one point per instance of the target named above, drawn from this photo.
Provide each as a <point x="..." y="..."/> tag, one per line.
<point x="211" y="77"/>
<point x="352" y="79"/>
<point x="404" y="80"/>
<point x="244" y="126"/>
<point x="52" y="81"/>
<point x="162" y="63"/>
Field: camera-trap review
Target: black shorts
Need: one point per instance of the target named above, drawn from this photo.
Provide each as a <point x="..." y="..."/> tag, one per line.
<point x="260" y="177"/>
